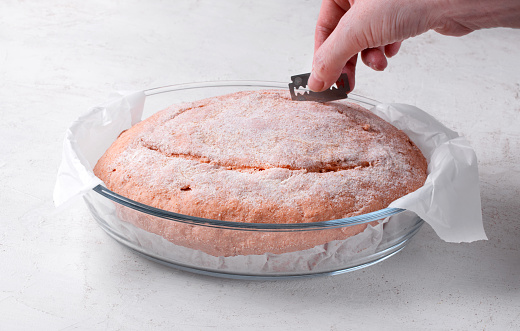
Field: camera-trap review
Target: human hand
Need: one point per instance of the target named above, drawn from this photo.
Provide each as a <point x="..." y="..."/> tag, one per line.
<point x="376" y="28"/>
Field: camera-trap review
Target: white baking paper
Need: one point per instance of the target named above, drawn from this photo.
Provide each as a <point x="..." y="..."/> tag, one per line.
<point x="449" y="200"/>
<point x="88" y="138"/>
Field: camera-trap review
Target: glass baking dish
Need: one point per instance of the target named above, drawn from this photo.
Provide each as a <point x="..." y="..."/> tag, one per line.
<point x="146" y="229"/>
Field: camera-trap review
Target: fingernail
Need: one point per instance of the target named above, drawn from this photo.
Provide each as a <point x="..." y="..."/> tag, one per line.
<point x="315" y="84"/>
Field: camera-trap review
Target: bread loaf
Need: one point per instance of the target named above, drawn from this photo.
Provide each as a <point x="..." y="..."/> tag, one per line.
<point x="259" y="157"/>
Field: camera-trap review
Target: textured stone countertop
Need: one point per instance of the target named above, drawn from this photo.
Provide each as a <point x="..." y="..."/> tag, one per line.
<point x="60" y="271"/>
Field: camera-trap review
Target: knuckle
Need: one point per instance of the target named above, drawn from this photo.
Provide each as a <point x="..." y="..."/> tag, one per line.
<point x="319" y="65"/>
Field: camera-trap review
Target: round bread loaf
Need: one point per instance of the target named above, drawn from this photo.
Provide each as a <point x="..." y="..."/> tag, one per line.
<point x="259" y="157"/>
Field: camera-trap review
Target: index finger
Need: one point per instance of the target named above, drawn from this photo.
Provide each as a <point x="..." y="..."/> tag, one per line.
<point x="344" y="42"/>
<point x="329" y="17"/>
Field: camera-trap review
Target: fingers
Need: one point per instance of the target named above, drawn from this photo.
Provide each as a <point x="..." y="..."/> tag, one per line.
<point x="339" y="38"/>
<point x="350" y="70"/>
<point x="340" y="46"/>
<point x="392" y="49"/>
<point x="330" y="15"/>
<point x="375" y="58"/>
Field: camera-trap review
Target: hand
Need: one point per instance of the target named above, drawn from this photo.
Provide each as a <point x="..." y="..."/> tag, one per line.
<point x="376" y="28"/>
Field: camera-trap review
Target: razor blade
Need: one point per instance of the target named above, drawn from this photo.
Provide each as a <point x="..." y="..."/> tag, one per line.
<point x="334" y="93"/>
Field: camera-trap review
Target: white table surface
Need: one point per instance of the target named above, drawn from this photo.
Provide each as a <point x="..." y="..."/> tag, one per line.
<point x="60" y="271"/>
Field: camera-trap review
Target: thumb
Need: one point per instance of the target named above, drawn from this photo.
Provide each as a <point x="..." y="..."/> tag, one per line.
<point x="346" y="41"/>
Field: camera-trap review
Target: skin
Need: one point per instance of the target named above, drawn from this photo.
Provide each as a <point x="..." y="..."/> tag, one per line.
<point x="376" y="28"/>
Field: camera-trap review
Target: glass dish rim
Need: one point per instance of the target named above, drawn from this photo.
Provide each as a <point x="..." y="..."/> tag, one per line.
<point x="330" y="224"/>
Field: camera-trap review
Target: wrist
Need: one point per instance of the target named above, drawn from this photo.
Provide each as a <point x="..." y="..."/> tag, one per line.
<point x="481" y="14"/>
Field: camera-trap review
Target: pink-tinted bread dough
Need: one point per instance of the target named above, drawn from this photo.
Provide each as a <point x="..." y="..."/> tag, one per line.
<point x="259" y="157"/>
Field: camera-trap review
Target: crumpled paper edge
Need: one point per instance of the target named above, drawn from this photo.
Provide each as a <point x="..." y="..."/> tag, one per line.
<point x="449" y="201"/>
<point x="75" y="175"/>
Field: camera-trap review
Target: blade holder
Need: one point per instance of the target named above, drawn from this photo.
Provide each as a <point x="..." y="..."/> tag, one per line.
<point x="334" y="93"/>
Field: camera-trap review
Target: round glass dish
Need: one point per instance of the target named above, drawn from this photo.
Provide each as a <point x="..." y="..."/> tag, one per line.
<point x="129" y="222"/>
